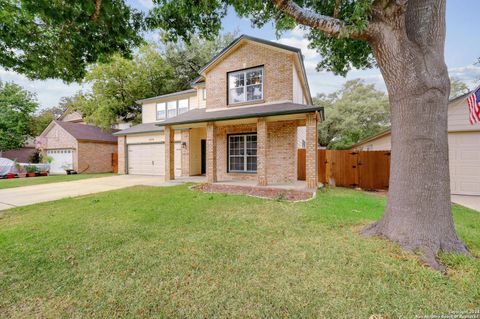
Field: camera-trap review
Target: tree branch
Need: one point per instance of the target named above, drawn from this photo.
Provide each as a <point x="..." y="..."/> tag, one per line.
<point x="331" y="26"/>
<point x="98" y="5"/>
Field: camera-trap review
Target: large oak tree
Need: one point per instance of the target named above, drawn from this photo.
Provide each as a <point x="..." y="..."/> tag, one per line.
<point x="405" y="39"/>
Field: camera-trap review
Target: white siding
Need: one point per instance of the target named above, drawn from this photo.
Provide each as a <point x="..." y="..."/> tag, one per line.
<point x="149" y="109"/>
<point x="458" y="117"/>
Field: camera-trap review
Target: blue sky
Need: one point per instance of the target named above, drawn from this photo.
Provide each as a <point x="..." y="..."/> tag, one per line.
<point x="461" y="52"/>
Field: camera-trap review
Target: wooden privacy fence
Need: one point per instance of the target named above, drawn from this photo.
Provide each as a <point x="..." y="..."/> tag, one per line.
<point x="115" y="162"/>
<point x="364" y="169"/>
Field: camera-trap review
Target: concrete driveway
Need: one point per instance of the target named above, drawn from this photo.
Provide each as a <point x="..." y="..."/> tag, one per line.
<point x="27" y="195"/>
<point x="470" y="201"/>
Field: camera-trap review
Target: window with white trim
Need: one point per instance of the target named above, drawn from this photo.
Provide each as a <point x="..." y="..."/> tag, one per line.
<point x="204" y="94"/>
<point x="182" y="106"/>
<point x="245" y="85"/>
<point x="172" y="108"/>
<point x="242" y="153"/>
<point x="161" y="111"/>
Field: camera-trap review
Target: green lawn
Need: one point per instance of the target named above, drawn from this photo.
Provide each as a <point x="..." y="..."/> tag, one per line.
<point x="18" y="182"/>
<point x="170" y="252"/>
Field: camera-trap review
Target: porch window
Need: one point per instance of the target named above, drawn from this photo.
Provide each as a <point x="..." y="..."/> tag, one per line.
<point x="161" y="111"/>
<point x="242" y="153"/>
<point x="245" y="85"/>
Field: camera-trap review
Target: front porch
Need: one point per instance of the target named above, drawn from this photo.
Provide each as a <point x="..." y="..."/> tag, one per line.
<point x="259" y="151"/>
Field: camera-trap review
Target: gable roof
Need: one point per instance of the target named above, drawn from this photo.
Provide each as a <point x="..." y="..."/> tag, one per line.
<point x="85" y="132"/>
<point x="140" y="128"/>
<point x="244" y="37"/>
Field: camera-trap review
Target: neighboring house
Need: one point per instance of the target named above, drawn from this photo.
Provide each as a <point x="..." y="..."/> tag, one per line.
<point x="239" y="120"/>
<point x="78" y="146"/>
<point x="464" y="148"/>
<point x="21" y="155"/>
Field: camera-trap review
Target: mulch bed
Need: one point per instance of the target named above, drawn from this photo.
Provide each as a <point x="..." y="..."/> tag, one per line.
<point x="263" y="192"/>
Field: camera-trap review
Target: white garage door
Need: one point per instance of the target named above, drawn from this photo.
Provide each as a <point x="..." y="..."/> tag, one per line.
<point x="61" y="159"/>
<point x="465" y="163"/>
<point x="149" y="159"/>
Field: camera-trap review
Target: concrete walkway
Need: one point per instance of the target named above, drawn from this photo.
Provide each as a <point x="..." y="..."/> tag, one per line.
<point x="27" y="195"/>
<point x="470" y="201"/>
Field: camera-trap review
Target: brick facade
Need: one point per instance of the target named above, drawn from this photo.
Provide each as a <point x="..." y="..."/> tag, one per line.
<point x="282" y="152"/>
<point x="277" y="73"/>
<point x="185" y="153"/>
<point x="122" y="156"/>
<point x="169" y="153"/>
<point x="95" y="157"/>
<point x="312" y="150"/>
<point x="262" y="144"/>
<point x="212" y="157"/>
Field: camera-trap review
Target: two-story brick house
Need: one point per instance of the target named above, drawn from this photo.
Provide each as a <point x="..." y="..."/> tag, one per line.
<point x="240" y="120"/>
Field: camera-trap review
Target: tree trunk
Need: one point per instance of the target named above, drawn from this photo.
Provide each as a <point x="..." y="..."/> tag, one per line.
<point x="410" y="53"/>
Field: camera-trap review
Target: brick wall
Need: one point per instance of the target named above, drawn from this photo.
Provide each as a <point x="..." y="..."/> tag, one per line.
<point x="278" y="73"/>
<point x="95" y="157"/>
<point x="121" y="155"/>
<point x="281" y="163"/>
<point x="282" y="152"/>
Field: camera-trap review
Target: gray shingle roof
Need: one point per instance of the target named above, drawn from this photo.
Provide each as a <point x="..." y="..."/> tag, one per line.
<point x="201" y="115"/>
<point x="141" y="128"/>
<point x="87" y="132"/>
<point x="189" y="91"/>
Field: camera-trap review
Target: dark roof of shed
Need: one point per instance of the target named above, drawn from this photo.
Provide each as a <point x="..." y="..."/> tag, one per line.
<point x="140" y="128"/>
<point x="87" y="132"/>
<point x="202" y="115"/>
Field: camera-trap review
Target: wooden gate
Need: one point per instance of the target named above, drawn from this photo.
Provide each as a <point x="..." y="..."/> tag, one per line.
<point x="365" y="169"/>
<point x="115" y="162"/>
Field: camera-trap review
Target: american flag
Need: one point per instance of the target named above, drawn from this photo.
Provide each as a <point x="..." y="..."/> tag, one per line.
<point x="473" y="102"/>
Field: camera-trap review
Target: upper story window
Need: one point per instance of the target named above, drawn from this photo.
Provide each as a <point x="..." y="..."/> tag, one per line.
<point x="245" y="85"/>
<point x="171" y="108"/>
<point x="204" y="94"/>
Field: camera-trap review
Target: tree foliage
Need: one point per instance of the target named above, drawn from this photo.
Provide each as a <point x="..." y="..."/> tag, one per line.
<point x="16" y="109"/>
<point x="353" y="113"/>
<point x="58" y="39"/>
<point x="181" y="19"/>
<point x="457" y="88"/>
<point x="153" y="71"/>
<point x="41" y="120"/>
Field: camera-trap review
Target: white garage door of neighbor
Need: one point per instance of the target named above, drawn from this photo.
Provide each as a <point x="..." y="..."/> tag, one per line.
<point x="61" y="159"/>
<point x="149" y="159"/>
<point x="464" y="163"/>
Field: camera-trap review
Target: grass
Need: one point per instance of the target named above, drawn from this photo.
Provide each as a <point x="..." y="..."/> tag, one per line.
<point x="170" y="252"/>
<point x="19" y="182"/>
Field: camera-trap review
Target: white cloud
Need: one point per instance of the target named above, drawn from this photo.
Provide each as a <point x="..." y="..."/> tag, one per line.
<point x="147" y="4"/>
<point x="48" y="92"/>
<point x="469" y="74"/>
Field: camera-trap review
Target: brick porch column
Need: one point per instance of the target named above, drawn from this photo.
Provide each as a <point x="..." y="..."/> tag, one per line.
<point x="262" y="152"/>
<point x="169" y="153"/>
<point x="312" y="150"/>
<point x="211" y="153"/>
<point x="186" y="153"/>
<point x="122" y="154"/>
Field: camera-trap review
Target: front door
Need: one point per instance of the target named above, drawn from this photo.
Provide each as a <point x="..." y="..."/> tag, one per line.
<point x="204" y="157"/>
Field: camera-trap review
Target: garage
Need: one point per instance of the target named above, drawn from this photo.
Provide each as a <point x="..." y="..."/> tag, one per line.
<point x="149" y="159"/>
<point x="62" y="159"/>
<point x="464" y="162"/>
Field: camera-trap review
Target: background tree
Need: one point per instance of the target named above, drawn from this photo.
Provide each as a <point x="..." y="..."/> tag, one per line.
<point x="187" y="58"/>
<point x="457" y="88"/>
<point x="154" y="70"/>
<point x="117" y="85"/>
<point x="16" y="110"/>
<point x="406" y="40"/>
<point x="41" y="120"/>
<point x="355" y="112"/>
<point x="58" y="39"/>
